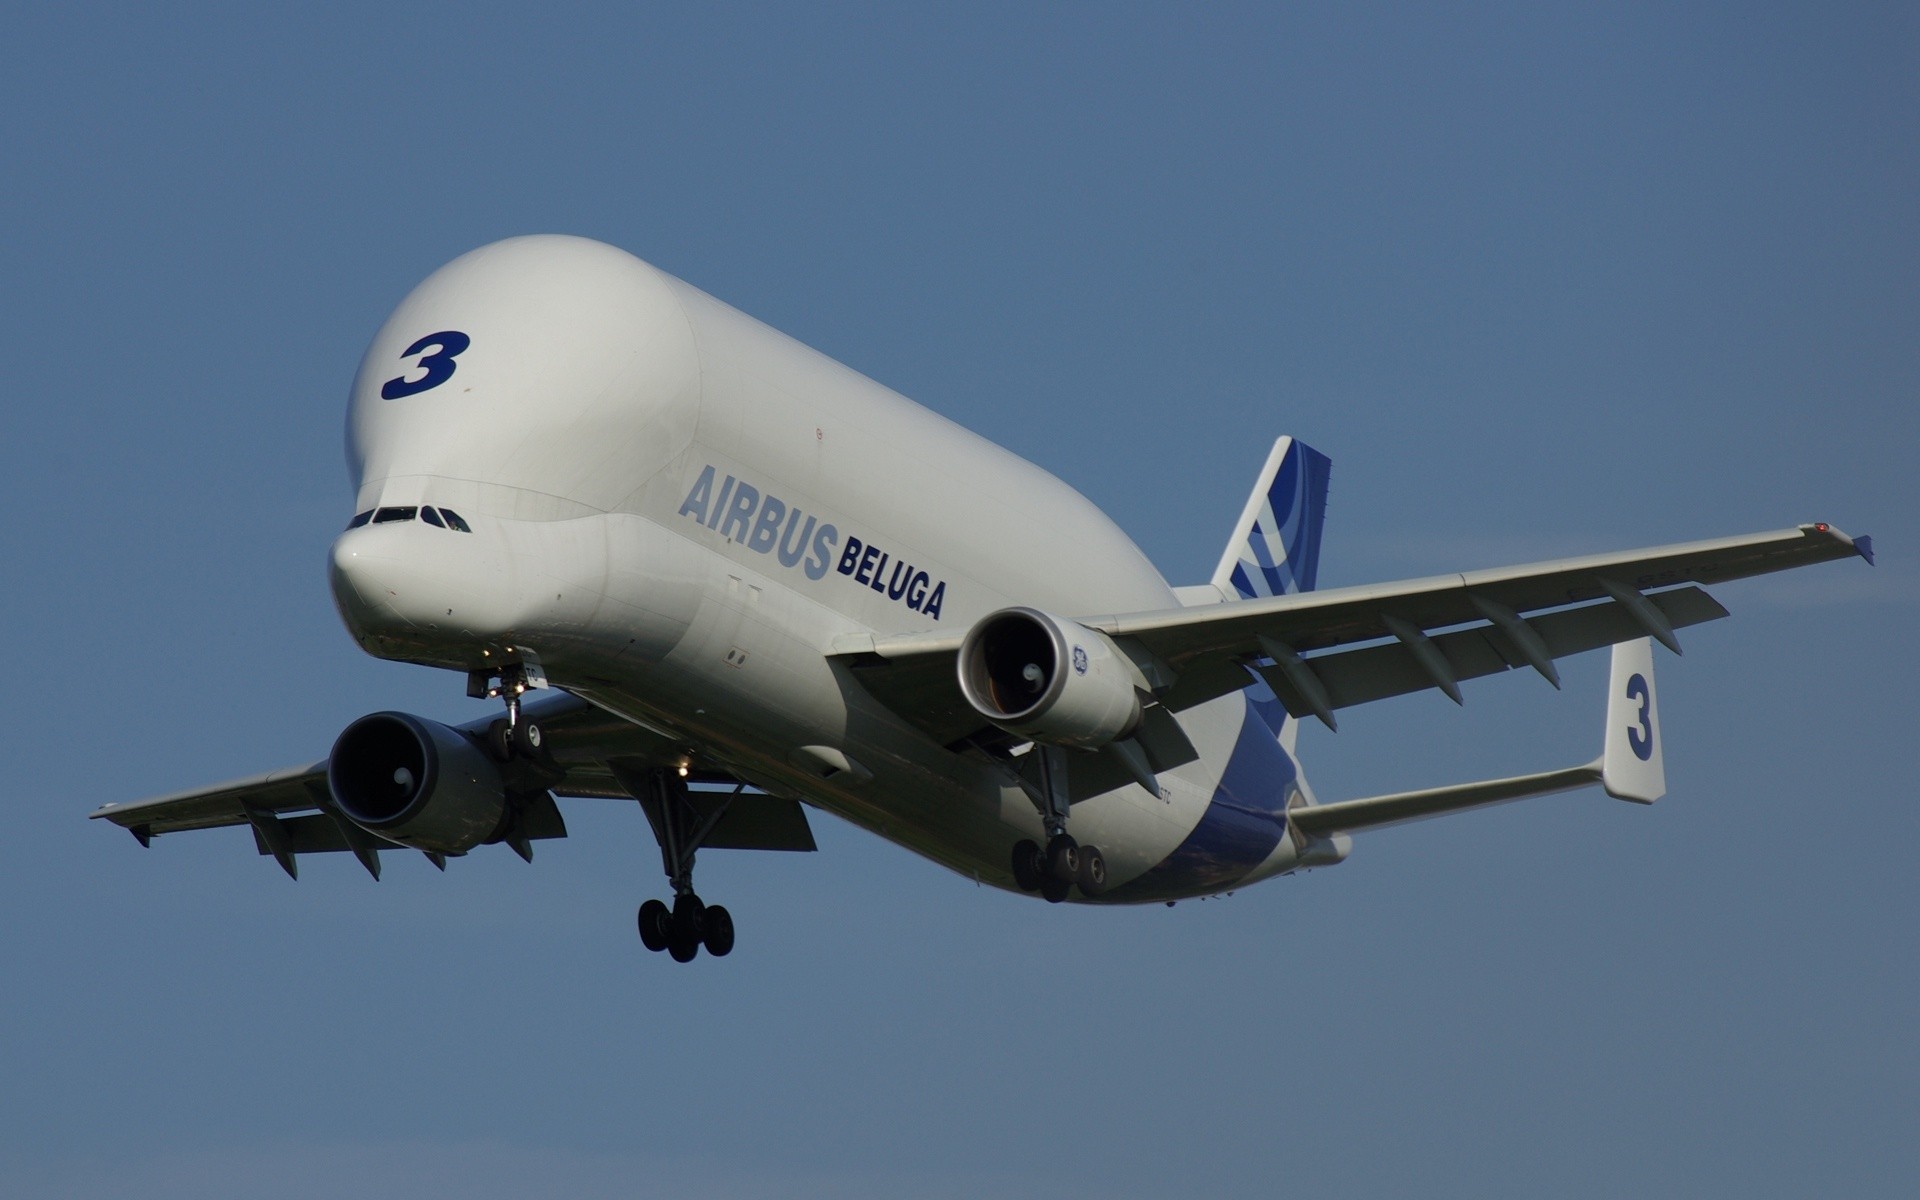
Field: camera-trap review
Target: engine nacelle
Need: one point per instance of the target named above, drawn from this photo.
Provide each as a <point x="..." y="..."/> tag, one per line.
<point x="417" y="782"/>
<point x="1048" y="679"/>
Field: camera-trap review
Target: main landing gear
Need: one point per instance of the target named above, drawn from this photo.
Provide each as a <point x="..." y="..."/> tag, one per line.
<point x="1054" y="870"/>
<point x="690" y="923"/>
<point x="687" y="926"/>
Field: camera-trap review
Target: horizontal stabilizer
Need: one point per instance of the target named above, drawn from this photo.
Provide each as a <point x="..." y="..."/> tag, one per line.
<point x="1630" y="768"/>
<point x="1377" y="812"/>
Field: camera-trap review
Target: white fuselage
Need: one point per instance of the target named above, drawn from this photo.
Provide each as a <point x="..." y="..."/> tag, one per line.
<point x="680" y="513"/>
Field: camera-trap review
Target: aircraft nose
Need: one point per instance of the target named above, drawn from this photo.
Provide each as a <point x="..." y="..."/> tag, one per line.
<point x="406" y="588"/>
<point x="368" y="582"/>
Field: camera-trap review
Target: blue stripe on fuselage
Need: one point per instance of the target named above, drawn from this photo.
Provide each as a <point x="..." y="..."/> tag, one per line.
<point x="1242" y="826"/>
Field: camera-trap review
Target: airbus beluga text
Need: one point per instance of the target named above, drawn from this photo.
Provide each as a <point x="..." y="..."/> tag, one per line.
<point x="745" y="580"/>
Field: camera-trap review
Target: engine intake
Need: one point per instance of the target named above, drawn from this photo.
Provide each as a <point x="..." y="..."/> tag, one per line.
<point x="1049" y="679"/>
<point x="417" y="782"/>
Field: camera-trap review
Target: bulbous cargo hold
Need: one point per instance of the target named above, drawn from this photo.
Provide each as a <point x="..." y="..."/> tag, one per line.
<point x="418" y="783"/>
<point x="1049" y="679"/>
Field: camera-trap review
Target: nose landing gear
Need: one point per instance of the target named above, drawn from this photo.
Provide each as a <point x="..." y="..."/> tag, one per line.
<point x="511" y="736"/>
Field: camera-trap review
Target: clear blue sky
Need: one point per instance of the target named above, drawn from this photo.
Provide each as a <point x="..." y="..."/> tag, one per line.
<point x="1540" y="279"/>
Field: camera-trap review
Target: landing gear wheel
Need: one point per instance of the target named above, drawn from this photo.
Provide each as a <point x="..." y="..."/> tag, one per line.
<point x="1093" y="871"/>
<point x="654" y="920"/>
<point x="500" y="739"/>
<point x="1054" y="890"/>
<point x="528" y="741"/>
<point x="684" y="927"/>
<point x="1028" y="870"/>
<point x="1063" y="858"/>
<point x="717" y="931"/>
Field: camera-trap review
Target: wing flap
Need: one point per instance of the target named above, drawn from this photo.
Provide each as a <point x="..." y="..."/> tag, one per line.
<point x="736" y="820"/>
<point x="313" y="833"/>
<point x="1376" y="672"/>
<point x="754" y="821"/>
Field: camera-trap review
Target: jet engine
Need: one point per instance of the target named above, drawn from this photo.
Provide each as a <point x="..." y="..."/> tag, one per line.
<point x="418" y="783"/>
<point x="1046" y="678"/>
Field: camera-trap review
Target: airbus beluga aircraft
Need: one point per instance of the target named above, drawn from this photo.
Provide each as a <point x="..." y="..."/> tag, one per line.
<point x="708" y="569"/>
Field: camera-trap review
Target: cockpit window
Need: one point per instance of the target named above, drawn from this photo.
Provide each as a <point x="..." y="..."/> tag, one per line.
<point x="444" y="518"/>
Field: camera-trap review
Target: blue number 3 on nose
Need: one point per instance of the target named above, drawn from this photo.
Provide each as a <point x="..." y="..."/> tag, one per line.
<point x="447" y="345"/>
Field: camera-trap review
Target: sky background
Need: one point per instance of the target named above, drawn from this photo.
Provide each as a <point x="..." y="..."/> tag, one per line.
<point x="1541" y="279"/>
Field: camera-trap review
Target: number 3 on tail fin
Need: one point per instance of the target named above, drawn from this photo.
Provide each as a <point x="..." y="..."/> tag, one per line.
<point x="1631" y="766"/>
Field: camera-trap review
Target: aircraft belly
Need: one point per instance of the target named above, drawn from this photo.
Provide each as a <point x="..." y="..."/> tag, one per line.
<point x="748" y="688"/>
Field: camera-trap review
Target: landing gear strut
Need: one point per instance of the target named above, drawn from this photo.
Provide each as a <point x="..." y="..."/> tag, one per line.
<point x="681" y="930"/>
<point x="1053" y="870"/>
<point x="509" y="737"/>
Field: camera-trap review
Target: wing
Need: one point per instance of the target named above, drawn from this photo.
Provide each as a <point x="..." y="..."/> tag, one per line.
<point x="1195" y="654"/>
<point x="591" y="752"/>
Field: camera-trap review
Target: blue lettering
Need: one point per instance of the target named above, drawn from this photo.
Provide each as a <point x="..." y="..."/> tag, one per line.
<point x="823" y="540"/>
<point x="791" y="548"/>
<point x="764" y="524"/>
<point x="746" y="498"/>
<point x="720" y="506"/>
<point x="851" y="555"/>
<point x="766" y="530"/>
<point x="696" y="501"/>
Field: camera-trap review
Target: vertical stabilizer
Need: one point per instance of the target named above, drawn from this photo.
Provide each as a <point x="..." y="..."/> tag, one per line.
<point x="1275" y="547"/>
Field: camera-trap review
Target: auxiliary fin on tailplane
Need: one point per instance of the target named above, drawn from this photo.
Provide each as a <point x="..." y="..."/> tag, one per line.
<point x="1632" y="765"/>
